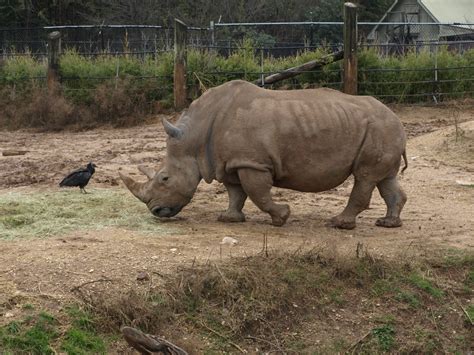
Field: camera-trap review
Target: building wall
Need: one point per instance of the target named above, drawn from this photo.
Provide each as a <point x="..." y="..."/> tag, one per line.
<point x="407" y="11"/>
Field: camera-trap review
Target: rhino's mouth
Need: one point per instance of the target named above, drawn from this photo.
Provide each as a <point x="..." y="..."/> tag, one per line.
<point x="165" y="211"/>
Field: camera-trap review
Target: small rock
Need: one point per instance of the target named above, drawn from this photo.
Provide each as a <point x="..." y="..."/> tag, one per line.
<point x="143" y="276"/>
<point x="173" y="250"/>
<point x="229" y="241"/>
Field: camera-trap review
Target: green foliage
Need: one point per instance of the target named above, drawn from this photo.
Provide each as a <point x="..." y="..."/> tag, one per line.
<point x="408" y="297"/>
<point x="120" y="90"/>
<point x="385" y="336"/>
<point x="19" y="70"/>
<point x="80" y="338"/>
<point x="31" y="336"/>
<point x="35" y="334"/>
<point x="425" y="285"/>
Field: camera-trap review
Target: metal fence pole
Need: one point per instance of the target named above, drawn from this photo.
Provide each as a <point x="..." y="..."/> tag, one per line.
<point x="54" y="51"/>
<point x="350" y="48"/>
<point x="180" y="38"/>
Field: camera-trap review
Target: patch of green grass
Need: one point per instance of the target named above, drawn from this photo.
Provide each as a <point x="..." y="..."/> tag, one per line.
<point x="425" y="285"/>
<point x="43" y="214"/>
<point x="385" y="336"/>
<point x="31" y="337"/>
<point x="28" y="306"/>
<point x="457" y="258"/>
<point x="339" y="345"/>
<point x="470" y="312"/>
<point x="381" y="287"/>
<point x="470" y="278"/>
<point x="294" y="275"/>
<point x="78" y="341"/>
<point x="408" y="297"/>
<point x="337" y="297"/>
<point x="35" y="334"/>
<point x="81" y="337"/>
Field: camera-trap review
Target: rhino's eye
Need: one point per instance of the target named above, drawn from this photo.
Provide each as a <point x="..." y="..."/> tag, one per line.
<point x="165" y="178"/>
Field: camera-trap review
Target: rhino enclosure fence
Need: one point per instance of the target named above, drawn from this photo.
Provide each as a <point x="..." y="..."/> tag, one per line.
<point x="381" y="42"/>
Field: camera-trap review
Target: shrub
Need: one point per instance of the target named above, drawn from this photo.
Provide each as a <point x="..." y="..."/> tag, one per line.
<point x="119" y="90"/>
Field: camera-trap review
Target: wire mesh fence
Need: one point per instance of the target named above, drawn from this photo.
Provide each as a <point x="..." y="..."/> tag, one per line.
<point x="90" y="40"/>
<point x="398" y="61"/>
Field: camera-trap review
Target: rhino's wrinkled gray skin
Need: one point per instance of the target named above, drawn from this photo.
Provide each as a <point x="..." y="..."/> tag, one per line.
<point x="251" y="139"/>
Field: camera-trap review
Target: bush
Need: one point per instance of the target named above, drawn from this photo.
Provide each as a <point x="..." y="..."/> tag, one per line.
<point x="118" y="90"/>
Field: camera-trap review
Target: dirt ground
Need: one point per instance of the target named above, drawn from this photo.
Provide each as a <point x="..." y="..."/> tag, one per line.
<point x="439" y="213"/>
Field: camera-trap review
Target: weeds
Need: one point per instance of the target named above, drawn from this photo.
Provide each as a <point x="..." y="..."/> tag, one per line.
<point x="267" y="297"/>
<point x="36" y="334"/>
<point x="111" y="90"/>
<point x="267" y="303"/>
<point x="385" y="336"/>
<point x="31" y="336"/>
<point x="425" y="285"/>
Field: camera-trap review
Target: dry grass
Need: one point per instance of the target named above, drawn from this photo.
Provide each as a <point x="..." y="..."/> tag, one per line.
<point x="284" y="302"/>
<point x="26" y="215"/>
<point x="118" y="103"/>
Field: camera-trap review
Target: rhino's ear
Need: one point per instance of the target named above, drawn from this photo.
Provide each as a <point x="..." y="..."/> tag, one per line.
<point x="171" y="130"/>
<point x="149" y="172"/>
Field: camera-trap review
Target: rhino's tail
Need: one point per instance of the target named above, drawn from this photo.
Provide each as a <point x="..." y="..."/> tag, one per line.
<point x="404" y="155"/>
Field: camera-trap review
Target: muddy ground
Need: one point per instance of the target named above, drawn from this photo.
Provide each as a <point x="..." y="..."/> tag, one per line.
<point x="439" y="214"/>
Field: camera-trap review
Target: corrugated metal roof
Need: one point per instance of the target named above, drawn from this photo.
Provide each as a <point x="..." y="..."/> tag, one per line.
<point x="448" y="11"/>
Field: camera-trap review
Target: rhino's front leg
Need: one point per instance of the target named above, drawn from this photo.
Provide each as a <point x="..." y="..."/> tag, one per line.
<point x="257" y="184"/>
<point x="237" y="197"/>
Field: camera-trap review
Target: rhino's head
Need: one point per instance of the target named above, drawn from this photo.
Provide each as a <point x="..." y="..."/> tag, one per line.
<point x="170" y="188"/>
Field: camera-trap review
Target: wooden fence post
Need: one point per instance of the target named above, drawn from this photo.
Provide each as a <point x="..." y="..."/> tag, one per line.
<point x="180" y="38"/>
<point x="54" y="51"/>
<point x="350" y="48"/>
<point x="213" y="33"/>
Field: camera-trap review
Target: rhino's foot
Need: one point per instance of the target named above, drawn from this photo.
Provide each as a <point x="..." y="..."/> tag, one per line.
<point x="389" y="222"/>
<point x="231" y="216"/>
<point x="280" y="215"/>
<point x="342" y="222"/>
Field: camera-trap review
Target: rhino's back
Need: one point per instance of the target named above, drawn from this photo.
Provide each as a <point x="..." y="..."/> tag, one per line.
<point x="309" y="139"/>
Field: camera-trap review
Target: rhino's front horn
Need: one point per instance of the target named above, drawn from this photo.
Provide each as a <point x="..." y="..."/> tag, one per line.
<point x="171" y="130"/>
<point x="138" y="189"/>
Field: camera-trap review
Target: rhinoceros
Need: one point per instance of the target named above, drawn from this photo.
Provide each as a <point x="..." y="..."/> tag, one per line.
<point x="251" y="139"/>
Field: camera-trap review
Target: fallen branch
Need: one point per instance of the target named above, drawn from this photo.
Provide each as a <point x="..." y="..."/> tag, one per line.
<point x="147" y="343"/>
<point x="294" y="71"/>
<point x="223" y="337"/>
<point x="11" y="153"/>
<point x="463" y="309"/>
<point x="76" y="288"/>
<point x="357" y="342"/>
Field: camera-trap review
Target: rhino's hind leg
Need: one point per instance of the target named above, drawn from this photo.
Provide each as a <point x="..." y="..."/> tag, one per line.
<point x="395" y="199"/>
<point x="237" y="197"/>
<point x="257" y="184"/>
<point x="358" y="202"/>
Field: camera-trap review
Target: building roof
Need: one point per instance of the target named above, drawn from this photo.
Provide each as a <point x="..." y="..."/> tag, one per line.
<point x="443" y="11"/>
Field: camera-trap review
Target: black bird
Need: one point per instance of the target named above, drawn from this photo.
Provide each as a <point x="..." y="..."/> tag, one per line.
<point x="79" y="177"/>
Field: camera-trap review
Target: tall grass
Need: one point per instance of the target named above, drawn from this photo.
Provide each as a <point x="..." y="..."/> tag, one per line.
<point x="118" y="90"/>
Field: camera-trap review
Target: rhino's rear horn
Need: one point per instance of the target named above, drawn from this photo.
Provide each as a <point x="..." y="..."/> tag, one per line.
<point x="171" y="130"/>
<point x="138" y="189"/>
